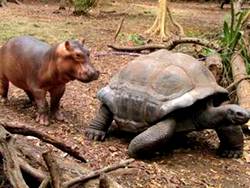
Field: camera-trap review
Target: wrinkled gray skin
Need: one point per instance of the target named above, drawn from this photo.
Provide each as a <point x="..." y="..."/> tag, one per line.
<point x="162" y="93"/>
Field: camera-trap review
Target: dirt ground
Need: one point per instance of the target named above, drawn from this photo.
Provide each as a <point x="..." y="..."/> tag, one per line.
<point x="196" y="165"/>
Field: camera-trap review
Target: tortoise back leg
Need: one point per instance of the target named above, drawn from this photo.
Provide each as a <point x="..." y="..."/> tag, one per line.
<point x="231" y="141"/>
<point x="99" y="125"/>
<point x="152" y="139"/>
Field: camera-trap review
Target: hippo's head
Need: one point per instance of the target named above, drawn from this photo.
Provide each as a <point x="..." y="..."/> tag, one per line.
<point x="73" y="62"/>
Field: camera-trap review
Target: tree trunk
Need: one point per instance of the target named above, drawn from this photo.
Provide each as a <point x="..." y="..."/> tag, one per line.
<point x="243" y="89"/>
<point x="239" y="69"/>
<point x="164" y="23"/>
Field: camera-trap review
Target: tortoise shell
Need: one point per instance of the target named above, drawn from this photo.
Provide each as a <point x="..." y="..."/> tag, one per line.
<point x="152" y="86"/>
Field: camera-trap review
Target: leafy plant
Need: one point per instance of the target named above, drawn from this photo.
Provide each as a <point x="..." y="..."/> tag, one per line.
<point x="83" y="6"/>
<point x="136" y="39"/>
<point x="232" y="40"/>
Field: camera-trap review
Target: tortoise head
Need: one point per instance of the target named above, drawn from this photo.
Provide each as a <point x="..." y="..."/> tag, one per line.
<point x="236" y="114"/>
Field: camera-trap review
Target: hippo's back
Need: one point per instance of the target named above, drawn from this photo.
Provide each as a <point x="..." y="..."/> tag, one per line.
<point x="20" y="59"/>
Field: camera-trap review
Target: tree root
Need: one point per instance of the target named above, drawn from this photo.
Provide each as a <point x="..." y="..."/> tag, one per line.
<point x="53" y="169"/>
<point x="163" y="22"/>
<point x="17" y="128"/>
<point x="11" y="166"/>
<point x="108" y="182"/>
<point x="18" y="170"/>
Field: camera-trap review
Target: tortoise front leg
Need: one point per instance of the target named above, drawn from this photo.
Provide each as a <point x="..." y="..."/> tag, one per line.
<point x="152" y="139"/>
<point x="231" y="141"/>
<point x="99" y="125"/>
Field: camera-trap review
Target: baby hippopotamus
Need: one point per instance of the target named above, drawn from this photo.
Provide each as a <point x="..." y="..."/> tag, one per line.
<point x="37" y="67"/>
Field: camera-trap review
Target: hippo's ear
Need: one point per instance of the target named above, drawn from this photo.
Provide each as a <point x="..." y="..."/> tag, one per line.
<point x="68" y="46"/>
<point x="82" y="40"/>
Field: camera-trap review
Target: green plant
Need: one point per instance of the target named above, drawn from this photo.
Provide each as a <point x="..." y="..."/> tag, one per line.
<point x="83" y="6"/>
<point x="136" y="39"/>
<point x="232" y="40"/>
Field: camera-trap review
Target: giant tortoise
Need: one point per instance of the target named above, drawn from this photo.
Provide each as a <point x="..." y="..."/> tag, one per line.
<point x="162" y="93"/>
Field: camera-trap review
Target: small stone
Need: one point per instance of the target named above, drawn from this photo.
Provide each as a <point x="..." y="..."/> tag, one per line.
<point x="112" y="148"/>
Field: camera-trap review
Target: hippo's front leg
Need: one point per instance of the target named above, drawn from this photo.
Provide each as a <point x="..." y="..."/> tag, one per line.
<point x="231" y="141"/>
<point x="152" y="139"/>
<point x="56" y="95"/>
<point x="99" y="125"/>
<point x="42" y="106"/>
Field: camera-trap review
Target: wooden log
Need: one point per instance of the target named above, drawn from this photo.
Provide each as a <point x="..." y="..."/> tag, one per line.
<point x="243" y="89"/>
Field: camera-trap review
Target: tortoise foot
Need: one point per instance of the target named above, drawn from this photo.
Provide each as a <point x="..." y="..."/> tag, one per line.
<point x="230" y="153"/>
<point x="94" y="134"/>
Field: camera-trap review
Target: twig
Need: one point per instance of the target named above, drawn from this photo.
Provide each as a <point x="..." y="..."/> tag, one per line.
<point x="10" y="163"/>
<point x="168" y="45"/>
<point x="119" y="28"/>
<point x="17" y="128"/>
<point x="53" y="169"/>
<point x="96" y="173"/>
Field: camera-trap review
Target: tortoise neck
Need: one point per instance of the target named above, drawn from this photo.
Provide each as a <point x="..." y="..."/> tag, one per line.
<point x="211" y="117"/>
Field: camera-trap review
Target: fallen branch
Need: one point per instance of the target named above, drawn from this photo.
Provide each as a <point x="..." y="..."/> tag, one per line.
<point x="98" y="54"/>
<point x="53" y="169"/>
<point x="17" y="128"/>
<point x="96" y="173"/>
<point x="171" y="44"/>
